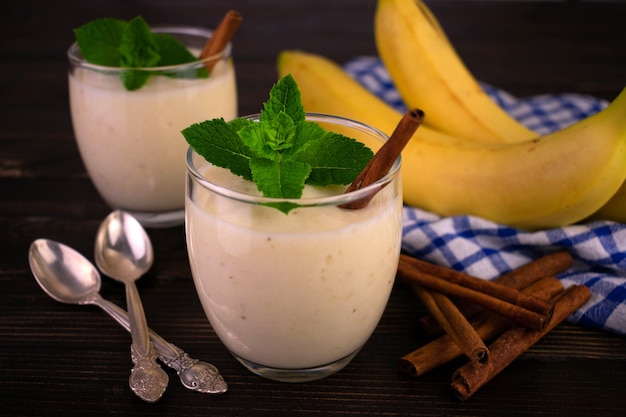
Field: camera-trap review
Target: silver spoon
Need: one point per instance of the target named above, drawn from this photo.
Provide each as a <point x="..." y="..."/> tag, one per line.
<point x="68" y="277"/>
<point x="124" y="252"/>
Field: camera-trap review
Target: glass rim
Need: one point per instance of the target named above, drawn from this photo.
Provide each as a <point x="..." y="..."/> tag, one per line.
<point x="332" y="200"/>
<point x="74" y="55"/>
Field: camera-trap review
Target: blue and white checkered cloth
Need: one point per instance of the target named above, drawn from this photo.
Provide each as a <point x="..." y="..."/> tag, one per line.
<point x="487" y="250"/>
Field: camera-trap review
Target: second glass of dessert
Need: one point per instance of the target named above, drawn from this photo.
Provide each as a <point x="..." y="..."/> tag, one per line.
<point x="128" y="122"/>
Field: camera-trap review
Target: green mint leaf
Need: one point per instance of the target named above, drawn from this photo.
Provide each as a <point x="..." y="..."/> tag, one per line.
<point x="282" y="151"/>
<point x="281" y="132"/>
<point x="171" y="50"/>
<point x="254" y="136"/>
<point x="117" y="43"/>
<point x="334" y="158"/>
<point x="269" y="138"/>
<point x="175" y="53"/>
<point x="279" y="179"/>
<point x="138" y="48"/>
<point x="99" y="41"/>
<point x="218" y="142"/>
<point x="284" y="98"/>
<point x="134" y="79"/>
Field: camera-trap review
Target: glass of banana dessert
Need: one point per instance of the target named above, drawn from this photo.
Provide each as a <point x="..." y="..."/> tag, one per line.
<point x="294" y="287"/>
<point x="127" y="121"/>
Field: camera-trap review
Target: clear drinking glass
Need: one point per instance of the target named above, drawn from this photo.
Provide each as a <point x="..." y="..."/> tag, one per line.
<point x="131" y="141"/>
<point x="294" y="296"/>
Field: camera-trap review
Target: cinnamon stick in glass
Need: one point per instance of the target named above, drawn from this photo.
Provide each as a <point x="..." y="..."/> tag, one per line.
<point x="220" y="38"/>
<point x="383" y="160"/>
<point x="497" y="300"/>
<point x="546" y="266"/>
<point x="511" y="344"/>
<point x="458" y="329"/>
<point x="488" y="326"/>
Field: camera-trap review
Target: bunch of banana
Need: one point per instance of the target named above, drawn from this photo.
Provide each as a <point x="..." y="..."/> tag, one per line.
<point x="548" y="181"/>
<point x="429" y="74"/>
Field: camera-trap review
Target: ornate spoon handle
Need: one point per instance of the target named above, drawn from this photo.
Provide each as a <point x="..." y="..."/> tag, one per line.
<point x="147" y="379"/>
<point x="193" y="373"/>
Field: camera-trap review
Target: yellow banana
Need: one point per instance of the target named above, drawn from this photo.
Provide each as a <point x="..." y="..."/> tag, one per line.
<point x="429" y="74"/>
<point x="341" y="95"/>
<point x="549" y="181"/>
<point x="555" y="180"/>
<point x="615" y="208"/>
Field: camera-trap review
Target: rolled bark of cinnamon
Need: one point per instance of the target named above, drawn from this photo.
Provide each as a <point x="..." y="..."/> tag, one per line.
<point x="511" y="344"/>
<point x="458" y="329"/>
<point x="531" y="319"/>
<point x="383" y="160"/>
<point x="220" y="38"/>
<point x="487" y="325"/>
<point x="495" y="289"/>
<point x="546" y="266"/>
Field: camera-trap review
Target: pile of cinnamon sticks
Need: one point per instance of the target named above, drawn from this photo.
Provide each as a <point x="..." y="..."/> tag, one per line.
<point x="511" y="313"/>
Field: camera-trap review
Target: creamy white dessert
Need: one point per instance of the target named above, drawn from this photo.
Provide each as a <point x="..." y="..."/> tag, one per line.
<point x="292" y="291"/>
<point x="131" y="141"/>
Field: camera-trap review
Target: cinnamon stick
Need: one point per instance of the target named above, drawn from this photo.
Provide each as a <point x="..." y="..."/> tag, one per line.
<point x="535" y="320"/>
<point x="456" y="326"/>
<point x="492" y="288"/>
<point x="546" y="266"/>
<point x="511" y="344"/>
<point x="488" y="325"/>
<point x="383" y="160"/>
<point x="220" y="38"/>
<point x="518" y="314"/>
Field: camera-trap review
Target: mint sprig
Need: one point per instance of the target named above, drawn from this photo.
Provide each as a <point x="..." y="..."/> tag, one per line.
<point x="132" y="45"/>
<point x="282" y="151"/>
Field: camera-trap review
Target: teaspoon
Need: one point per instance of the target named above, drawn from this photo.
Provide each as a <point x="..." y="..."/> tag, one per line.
<point x="124" y="252"/>
<point x="68" y="277"/>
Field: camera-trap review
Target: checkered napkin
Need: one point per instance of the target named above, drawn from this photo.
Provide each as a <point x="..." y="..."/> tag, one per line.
<point x="487" y="250"/>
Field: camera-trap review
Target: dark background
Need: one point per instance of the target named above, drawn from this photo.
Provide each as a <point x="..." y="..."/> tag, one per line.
<point x="65" y="360"/>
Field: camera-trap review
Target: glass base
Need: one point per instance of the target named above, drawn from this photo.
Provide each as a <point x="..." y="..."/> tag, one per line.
<point x="296" y="375"/>
<point x="159" y="219"/>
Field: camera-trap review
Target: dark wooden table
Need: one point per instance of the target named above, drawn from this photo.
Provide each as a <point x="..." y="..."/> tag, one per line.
<point x="57" y="359"/>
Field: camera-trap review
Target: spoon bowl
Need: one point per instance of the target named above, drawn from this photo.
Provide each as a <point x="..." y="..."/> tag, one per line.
<point x="68" y="277"/>
<point x="64" y="274"/>
<point x="123" y="248"/>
